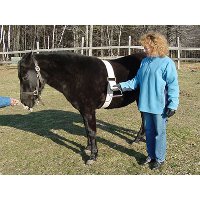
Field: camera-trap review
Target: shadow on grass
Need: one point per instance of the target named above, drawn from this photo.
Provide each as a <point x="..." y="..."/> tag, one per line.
<point x="44" y="122"/>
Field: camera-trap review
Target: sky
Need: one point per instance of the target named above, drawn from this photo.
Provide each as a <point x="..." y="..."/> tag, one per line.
<point x="104" y="12"/>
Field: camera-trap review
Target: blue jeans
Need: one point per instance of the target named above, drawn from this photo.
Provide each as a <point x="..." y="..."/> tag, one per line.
<point x="155" y="129"/>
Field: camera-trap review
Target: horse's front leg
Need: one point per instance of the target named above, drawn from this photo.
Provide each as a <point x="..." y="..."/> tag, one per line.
<point x="141" y="133"/>
<point x="90" y="126"/>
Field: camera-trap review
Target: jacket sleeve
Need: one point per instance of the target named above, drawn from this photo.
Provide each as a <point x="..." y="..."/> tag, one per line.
<point x="5" y="101"/>
<point x="131" y="84"/>
<point x="171" y="77"/>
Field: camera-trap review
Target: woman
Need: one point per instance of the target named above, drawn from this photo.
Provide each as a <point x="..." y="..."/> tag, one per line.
<point x="7" y="101"/>
<point x="159" y="94"/>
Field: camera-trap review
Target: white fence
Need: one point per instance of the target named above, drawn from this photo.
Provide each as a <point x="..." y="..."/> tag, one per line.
<point x="176" y="53"/>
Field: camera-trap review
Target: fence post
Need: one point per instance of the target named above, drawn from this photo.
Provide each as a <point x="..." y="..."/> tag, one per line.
<point x="38" y="46"/>
<point x="4" y="46"/>
<point x="179" y="54"/>
<point x="129" y="45"/>
<point x="82" y="45"/>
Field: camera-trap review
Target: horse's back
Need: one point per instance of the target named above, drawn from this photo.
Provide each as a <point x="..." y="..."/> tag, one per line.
<point x="126" y="67"/>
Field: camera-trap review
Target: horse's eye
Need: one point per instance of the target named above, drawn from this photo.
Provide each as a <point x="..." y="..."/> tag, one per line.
<point x="25" y="78"/>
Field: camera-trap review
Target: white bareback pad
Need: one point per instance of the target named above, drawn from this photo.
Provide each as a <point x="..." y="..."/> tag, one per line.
<point x="111" y="81"/>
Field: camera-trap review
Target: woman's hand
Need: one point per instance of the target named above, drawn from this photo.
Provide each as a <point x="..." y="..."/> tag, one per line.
<point x="14" y="102"/>
<point x="170" y="112"/>
<point x="116" y="87"/>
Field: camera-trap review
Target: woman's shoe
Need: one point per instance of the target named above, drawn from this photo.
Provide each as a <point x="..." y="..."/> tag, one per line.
<point x="157" y="165"/>
<point x="148" y="161"/>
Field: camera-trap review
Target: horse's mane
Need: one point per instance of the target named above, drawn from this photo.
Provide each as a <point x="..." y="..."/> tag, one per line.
<point x="63" y="54"/>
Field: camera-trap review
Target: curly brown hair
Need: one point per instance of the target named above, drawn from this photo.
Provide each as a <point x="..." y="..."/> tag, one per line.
<point x="157" y="42"/>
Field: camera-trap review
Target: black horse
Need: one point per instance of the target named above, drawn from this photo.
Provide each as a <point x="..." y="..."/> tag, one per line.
<point x="82" y="80"/>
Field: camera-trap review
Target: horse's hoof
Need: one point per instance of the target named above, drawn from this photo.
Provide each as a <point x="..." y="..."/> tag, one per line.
<point x="136" y="140"/>
<point x="87" y="151"/>
<point x="90" y="162"/>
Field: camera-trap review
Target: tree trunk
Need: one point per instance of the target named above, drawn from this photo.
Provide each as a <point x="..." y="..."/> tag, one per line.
<point x="48" y="42"/>
<point x="53" y="36"/>
<point x="86" y="38"/>
<point x="90" y="40"/>
<point x="35" y="37"/>
<point x="25" y="37"/>
<point x="4" y="46"/>
<point x="119" y="40"/>
<point x="102" y="41"/>
<point x="1" y="34"/>
<point x="62" y="35"/>
<point x="75" y="36"/>
<point x="17" y="39"/>
<point x="44" y="37"/>
<point x="9" y="38"/>
<point x="111" y="40"/>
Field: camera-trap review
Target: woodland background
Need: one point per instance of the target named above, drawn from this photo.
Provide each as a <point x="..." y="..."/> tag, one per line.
<point x="24" y="37"/>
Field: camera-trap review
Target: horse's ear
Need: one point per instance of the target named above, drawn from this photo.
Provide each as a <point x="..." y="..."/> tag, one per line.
<point x="26" y="58"/>
<point x="29" y="55"/>
<point x="24" y="62"/>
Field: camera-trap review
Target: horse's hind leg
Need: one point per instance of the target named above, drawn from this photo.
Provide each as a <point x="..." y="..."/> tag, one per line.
<point x="88" y="147"/>
<point x="90" y="126"/>
<point x="141" y="133"/>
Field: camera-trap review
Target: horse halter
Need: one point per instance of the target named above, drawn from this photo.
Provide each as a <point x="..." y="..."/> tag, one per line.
<point x="39" y="80"/>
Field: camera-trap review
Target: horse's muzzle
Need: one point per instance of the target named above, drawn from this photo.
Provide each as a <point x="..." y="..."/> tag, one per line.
<point x="27" y="100"/>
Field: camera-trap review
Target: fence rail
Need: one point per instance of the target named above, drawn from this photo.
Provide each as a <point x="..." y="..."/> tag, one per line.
<point x="95" y="48"/>
<point x="176" y="53"/>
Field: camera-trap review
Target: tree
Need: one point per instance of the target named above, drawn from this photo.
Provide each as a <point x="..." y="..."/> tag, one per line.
<point x="24" y="37"/>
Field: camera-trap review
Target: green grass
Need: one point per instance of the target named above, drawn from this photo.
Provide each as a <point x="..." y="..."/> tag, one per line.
<point x="50" y="140"/>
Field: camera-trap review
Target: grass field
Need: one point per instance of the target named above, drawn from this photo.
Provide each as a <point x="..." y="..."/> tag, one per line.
<point x="50" y="140"/>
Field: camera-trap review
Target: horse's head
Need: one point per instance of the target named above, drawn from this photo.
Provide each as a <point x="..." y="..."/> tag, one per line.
<point x="31" y="81"/>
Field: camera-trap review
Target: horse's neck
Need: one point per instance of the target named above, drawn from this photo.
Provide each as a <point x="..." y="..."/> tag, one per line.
<point x="52" y="75"/>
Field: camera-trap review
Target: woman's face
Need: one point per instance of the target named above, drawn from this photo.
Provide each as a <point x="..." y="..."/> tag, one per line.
<point x="148" y="50"/>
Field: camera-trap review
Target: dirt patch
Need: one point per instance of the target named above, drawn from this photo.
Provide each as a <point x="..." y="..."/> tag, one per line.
<point x="185" y="93"/>
<point x="190" y="66"/>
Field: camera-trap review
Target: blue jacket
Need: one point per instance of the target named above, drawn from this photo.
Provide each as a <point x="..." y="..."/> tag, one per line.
<point x="158" y="82"/>
<point x="4" y="101"/>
